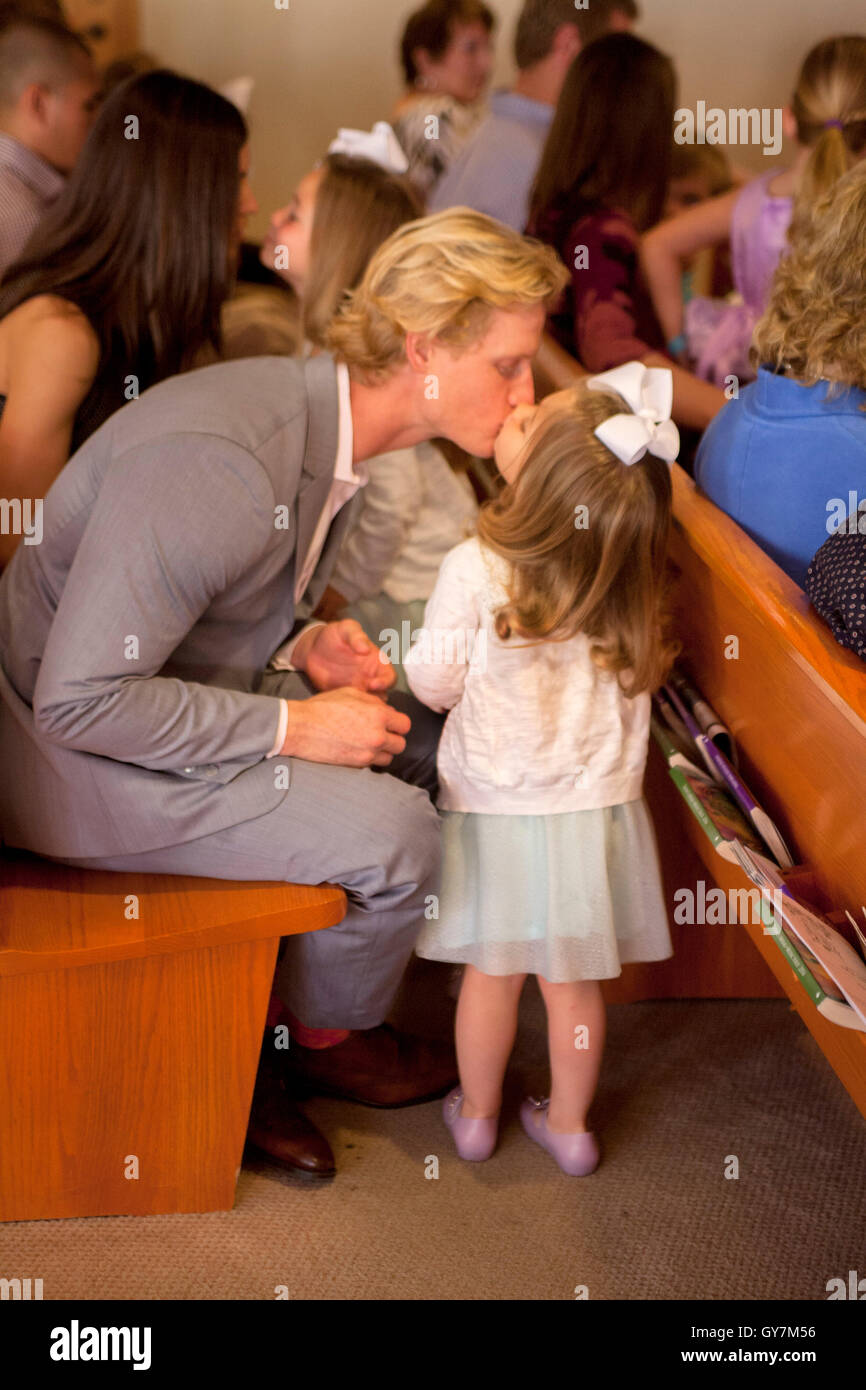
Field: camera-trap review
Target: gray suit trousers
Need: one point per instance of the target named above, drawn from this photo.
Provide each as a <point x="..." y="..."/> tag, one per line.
<point x="375" y="833"/>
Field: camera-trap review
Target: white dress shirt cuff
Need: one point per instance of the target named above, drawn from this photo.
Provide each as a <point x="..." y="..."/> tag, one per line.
<point x="282" y="657"/>
<point x="281" y="729"/>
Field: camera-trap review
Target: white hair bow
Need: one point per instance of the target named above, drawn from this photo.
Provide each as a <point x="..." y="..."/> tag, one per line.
<point x="379" y="145"/>
<point x="648" y="392"/>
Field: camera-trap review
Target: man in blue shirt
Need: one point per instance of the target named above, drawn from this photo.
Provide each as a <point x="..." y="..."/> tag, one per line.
<point x="496" y="168"/>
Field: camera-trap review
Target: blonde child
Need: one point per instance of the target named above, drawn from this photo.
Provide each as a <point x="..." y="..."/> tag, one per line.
<point x="544" y="638"/>
<point x="826" y="121"/>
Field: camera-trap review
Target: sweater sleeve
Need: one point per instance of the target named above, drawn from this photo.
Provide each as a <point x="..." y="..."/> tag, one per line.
<point x="602" y="255"/>
<point x="451" y="639"/>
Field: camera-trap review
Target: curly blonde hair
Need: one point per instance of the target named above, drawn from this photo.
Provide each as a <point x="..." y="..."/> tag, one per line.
<point x="815" y="324"/>
<point x="586" y="539"/>
<point x="445" y="276"/>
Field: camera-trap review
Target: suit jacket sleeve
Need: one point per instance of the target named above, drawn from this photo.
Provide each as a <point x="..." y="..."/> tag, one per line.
<point x="176" y="523"/>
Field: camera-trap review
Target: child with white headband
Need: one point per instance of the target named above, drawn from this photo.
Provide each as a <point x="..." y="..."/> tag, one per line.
<point x="544" y="638"/>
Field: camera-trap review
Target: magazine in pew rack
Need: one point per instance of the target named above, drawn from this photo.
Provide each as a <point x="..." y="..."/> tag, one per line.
<point x="834" y="966"/>
<point x="687" y="702"/>
<point x="829" y="969"/>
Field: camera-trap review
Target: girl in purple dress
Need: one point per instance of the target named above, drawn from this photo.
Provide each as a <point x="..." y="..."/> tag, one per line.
<point x="827" y="122"/>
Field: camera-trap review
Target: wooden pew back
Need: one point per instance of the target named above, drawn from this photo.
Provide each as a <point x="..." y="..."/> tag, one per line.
<point x="794" y="699"/>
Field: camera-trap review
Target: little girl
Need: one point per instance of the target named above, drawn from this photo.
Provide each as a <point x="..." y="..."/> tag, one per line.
<point x="827" y="124"/>
<point x="544" y="638"/>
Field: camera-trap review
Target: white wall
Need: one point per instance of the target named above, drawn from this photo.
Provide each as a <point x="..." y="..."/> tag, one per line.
<point x="324" y="63"/>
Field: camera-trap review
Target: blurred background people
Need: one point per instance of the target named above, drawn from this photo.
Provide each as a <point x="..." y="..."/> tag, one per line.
<point x="826" y="123"/>
<point x="48" y="98"/>
<point x="784" y="457"/>
<point x="494" y="171"/>
<point x="447" y="57"/>
<point x="602" y="182"/>
<point x="123" y="281"/>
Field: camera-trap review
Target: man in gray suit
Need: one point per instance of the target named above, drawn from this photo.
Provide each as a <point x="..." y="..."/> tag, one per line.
<point x="141" y="725"/>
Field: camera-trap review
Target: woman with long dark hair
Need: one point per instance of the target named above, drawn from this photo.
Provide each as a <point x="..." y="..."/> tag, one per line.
<point x="122" y="283"/>
<point x="601" y="184"/>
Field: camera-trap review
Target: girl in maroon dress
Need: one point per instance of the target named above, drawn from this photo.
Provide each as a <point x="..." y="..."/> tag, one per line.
<point x="601" y="184"/>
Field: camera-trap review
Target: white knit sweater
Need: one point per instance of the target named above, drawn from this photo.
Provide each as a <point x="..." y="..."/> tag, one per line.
<point x="532" y="729"/>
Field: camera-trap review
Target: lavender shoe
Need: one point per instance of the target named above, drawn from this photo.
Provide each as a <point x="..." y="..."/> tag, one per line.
<point x="577" y="1154"/>
<point x="475" y="1139"/>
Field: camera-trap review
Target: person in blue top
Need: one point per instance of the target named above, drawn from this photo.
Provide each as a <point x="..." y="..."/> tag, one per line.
<point x="496" y="167"/>
<point x="787" y="459"/>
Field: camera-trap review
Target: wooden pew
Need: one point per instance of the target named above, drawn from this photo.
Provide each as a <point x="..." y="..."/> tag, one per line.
<point x="129" y="1044"/>
<point x="795" y="702"/>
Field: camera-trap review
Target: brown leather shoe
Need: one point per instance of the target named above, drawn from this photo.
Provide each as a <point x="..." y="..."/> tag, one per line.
<point x="376" y="1066"/>
<point x="280" y="1130"/>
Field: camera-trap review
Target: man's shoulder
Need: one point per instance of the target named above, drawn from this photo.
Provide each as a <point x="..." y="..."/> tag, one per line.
<point x="247" y="401"/>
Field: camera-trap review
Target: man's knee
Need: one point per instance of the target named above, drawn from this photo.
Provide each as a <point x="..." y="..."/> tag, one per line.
<point x="408" y="836"/>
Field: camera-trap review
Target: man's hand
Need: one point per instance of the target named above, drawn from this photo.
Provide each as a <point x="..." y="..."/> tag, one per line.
<point x="349" y="728"/>
<point x="341" y="654"/>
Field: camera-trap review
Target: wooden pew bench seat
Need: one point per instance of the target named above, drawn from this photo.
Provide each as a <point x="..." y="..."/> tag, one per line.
<point x="132" y="1008"/>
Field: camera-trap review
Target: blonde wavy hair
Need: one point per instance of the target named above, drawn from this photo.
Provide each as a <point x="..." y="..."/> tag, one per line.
<point x="444" y="276"/>
<point x="607" y="580"/>
<point x="815" y="324"/>
<point x="829" y="106"/>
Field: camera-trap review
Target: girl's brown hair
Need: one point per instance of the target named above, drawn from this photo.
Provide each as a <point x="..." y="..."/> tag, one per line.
<point x="358" y="206"/>
<point x="143" y="236"/>
<point x="611" y="138"/>
<point x="586" y="538"/>
<point x="829" y="106"/>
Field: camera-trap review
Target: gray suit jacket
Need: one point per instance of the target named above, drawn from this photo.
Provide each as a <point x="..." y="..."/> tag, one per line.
<point x="133" y="640"/>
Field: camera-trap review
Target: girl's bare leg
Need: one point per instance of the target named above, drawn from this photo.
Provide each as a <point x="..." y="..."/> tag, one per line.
<point x="575" y="1032"/>
<point x="486" y="1027"/>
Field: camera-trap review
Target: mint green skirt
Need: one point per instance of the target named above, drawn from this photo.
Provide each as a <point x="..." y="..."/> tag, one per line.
<point x="569" y="897"/>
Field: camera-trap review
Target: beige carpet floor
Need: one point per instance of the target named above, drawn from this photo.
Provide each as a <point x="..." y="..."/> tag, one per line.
<point x="684" y="1085"/>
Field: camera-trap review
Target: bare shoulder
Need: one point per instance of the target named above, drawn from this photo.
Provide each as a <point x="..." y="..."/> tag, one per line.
<point x="55" y="333"/>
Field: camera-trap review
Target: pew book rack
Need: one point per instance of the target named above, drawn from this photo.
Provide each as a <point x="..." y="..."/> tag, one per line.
<point x="795" y="703"/>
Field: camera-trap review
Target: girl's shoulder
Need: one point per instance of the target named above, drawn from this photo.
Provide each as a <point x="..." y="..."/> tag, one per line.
<point x="52" y="314"/>
<point x="768" y="189"/>
<point x="53" y="335"/>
